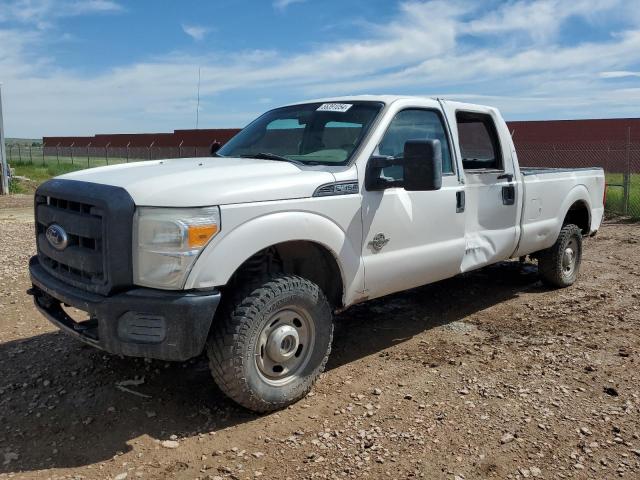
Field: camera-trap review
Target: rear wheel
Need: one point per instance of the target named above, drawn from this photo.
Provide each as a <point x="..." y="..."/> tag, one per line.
<point x="271" y="343"/>
<point x="559" y="265"/>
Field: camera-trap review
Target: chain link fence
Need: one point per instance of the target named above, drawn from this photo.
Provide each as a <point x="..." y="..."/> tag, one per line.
<point x="88" y="156"/>
<point x="620" y="161"/>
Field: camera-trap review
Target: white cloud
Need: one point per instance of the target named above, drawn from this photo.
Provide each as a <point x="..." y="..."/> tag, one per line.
<point x="540" y="19"/>
<point x="283" y="4"/>
<point x="197" y="32"/>
<point x="42" y="12"/>
<point x="619" y="74"/>
<point x="422" y="49"/>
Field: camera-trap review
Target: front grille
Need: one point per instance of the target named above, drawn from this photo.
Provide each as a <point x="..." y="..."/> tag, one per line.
<point x="97" y="220"/>
<point x="82" y="261"/>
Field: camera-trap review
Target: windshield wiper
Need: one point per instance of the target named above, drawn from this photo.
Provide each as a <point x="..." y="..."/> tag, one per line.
<point x="271" y="156"/>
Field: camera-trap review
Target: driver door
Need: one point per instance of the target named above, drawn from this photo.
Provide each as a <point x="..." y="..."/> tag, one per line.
<point x="412" y="238"/>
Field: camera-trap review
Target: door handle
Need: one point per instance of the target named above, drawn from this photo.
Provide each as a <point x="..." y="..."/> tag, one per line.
<point x="506" y="176"/>
<point x="508" y="195"/>
<point x="460" y="200"/>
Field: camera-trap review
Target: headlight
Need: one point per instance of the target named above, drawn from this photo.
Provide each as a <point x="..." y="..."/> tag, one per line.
<point x="167" y="241"/>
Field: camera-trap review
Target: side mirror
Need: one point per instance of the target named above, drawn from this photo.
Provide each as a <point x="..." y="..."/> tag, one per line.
<point x="215" y="146"/>
<point x="372" y="178"/>
<point x="422" y="163"/>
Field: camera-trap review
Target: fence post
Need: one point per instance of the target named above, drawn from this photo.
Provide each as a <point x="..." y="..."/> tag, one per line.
<point x="149" y="148"/>
<point x="180" y="149"/>
<point x="128" y="151"/>
<point x="43" y="154"/>
<point x="106" y="152"/>
<point x="19" y="154"/>
<point x="30" y="155"/>
<point x="88" y="161"/>
<point x="626" y="181"/>
<point x="58" y="153"/>
<point x="71" y="149"/>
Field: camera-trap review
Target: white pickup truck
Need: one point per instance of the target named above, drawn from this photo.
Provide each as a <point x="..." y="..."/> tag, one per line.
<point x="311" y="208"/>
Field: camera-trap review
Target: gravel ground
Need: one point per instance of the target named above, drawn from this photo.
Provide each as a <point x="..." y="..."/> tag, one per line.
<point x="487" y="375"/>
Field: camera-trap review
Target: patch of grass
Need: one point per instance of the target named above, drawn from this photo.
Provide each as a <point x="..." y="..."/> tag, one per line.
<point x="40" y="173"/>
<point x="615" y="194"/>
<point x="79" y="161"/>
<point x="16" y="186"/>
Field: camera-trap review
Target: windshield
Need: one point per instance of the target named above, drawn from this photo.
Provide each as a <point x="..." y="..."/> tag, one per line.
<point x="312" y="133"/>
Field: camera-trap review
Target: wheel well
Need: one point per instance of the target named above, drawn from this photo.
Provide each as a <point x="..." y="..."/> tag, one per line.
<point x="579" y="215"/>
<point x="304" y="258"/>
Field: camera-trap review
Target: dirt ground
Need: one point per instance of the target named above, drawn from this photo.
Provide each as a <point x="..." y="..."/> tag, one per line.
<point x="487" y="375"/>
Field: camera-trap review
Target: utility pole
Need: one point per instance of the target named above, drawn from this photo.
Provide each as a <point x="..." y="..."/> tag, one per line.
<point x="198" y="101"/>
<point x="4" y="169"/>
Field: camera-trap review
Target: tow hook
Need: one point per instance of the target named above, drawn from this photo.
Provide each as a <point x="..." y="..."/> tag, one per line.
<point x="43" y="299"/>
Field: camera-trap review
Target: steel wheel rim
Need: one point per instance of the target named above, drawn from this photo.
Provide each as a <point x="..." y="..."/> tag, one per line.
<point x="569" y="257"/>
<point x="284" y="345"/>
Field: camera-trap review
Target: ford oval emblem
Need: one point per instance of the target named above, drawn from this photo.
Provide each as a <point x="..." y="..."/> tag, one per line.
<point x="57" y="237"/>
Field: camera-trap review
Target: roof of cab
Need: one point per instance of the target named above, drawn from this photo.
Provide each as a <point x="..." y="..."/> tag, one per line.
<point x="361" y="98"/>
<point x="386" y="99"/>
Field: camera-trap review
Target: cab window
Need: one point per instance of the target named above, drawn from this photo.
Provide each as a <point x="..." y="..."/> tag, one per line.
<point x="479" y="143"/>
<point x="413" y="124"/>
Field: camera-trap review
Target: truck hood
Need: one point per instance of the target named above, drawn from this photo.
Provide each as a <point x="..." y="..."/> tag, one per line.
<point x="191" y="182"/>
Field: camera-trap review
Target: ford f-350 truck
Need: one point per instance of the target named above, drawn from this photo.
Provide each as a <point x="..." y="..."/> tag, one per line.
<point x="311" y="208"/>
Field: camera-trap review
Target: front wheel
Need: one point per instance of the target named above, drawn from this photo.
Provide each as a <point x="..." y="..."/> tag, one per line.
<point x="271" y="343"/>
<point x="559" y="265"/>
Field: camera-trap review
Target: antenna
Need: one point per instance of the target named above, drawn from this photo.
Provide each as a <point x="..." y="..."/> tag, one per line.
<point x="4" y="170"/>
<point x="198" y="102"/>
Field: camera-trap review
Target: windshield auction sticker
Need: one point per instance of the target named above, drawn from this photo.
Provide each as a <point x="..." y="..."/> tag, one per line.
<point x="334" y="107"/>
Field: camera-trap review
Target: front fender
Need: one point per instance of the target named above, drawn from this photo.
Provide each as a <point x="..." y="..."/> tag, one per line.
<point x="219" y="261"/>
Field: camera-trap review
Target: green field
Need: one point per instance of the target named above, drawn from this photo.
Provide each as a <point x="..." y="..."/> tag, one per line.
<point x="80" y="162"/>
<point x="39" y="173"/>
<point x="615" y="199"/>
<point x="23" y="142"/>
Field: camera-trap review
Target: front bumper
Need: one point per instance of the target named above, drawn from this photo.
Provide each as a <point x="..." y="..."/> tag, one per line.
<point x="141" y="322"/>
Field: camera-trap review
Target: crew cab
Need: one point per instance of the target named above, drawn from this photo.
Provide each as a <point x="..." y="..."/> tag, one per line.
<point x="312" y="208"/>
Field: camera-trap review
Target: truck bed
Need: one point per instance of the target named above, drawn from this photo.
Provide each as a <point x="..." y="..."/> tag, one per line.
<point x="548" y="193"/>
<point x="541" y="170"/>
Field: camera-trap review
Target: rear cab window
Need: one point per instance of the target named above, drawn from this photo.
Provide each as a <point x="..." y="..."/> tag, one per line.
<point x="479" y="142"/>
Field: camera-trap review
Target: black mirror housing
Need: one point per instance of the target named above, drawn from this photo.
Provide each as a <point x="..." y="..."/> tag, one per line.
<point x="372" y="180"/>
<point x="215" y="146"/>
<point x="422" y="165"/>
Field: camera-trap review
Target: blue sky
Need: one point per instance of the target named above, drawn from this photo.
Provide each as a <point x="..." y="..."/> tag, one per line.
<point x="72" y="67"/>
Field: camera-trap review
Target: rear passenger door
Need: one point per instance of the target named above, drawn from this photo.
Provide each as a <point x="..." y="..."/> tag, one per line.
<point x="492" y="191"/>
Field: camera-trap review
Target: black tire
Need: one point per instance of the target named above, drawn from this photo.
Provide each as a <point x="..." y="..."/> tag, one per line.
<point x="235" y="346"/>
<point x="555" y="267"/>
